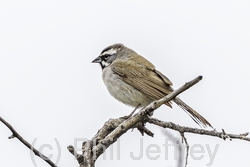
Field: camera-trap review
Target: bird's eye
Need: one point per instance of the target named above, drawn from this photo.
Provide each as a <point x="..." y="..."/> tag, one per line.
<point x="106" y="56"/>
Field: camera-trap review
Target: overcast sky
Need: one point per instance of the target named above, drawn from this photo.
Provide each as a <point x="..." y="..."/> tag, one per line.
<point x="52" y="94"/>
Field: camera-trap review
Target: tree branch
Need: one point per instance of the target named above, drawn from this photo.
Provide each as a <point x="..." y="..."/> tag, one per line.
<point x="187" y="146"/>
<point x="139" y="117"/>
<point x="15" y="134"/>
<point x="183" y="129"/>
<point x="177" y="144"/>
<point x="114" y="128"/>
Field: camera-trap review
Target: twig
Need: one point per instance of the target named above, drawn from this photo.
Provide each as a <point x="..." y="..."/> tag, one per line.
<point x="78" y="157"/>
<point x="27" y="144"/>
<point x="183" y="129"/>
<point x="178" y="143"/>
<point x="187" y="146"/>
<point x="143" y="130"/>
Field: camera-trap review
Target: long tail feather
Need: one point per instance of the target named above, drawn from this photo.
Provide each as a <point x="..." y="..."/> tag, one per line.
<point x="200" y="120"/>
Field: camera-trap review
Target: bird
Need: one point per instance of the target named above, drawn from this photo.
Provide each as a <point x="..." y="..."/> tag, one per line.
<point x="133" y="80"/>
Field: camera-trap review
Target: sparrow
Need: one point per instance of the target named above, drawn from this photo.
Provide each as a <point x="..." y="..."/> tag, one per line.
<point x="133" y="80"/>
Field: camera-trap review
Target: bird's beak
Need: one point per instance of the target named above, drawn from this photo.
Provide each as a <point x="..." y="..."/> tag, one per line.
<point x="97" y="60"/>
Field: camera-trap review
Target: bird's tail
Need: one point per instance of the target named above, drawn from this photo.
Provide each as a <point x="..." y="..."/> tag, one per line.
<point x="200" y="120"/>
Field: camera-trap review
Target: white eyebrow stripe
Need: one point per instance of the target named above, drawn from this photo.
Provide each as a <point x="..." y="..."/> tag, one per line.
<point x="109" y="52"/>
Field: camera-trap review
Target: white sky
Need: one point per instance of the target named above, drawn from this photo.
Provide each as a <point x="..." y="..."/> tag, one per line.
<point x="49" y="89"/>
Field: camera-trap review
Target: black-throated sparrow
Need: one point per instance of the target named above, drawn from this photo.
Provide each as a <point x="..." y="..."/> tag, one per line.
<point x="133" y="80"/>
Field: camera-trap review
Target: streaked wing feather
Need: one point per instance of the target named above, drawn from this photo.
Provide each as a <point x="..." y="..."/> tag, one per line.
<point x="161" y="86"/>
<point x="146" y="88"/>
<point x="143" y="79"/>
<point x="165" y="79"/>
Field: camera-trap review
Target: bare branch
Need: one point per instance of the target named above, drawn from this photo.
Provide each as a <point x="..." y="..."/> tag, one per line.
<point x="143" y="130"/>
<point x="27" y="144"/>
<point x="78" y="157"/>
<point x="178" y="143"/>
<point x="138" y="117"/>
<point x="187" y="146"/>
<point x="183" y="129"/>
<point x="114" y="128"/>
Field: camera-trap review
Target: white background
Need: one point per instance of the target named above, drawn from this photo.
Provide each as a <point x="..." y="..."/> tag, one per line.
<point x="50" y="90"/>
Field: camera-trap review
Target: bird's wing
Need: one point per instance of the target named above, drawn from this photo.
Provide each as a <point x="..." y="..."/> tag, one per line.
<point x="143" y="77"/>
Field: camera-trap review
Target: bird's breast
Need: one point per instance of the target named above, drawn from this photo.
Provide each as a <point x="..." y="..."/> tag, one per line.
<point x="122" y="91"/>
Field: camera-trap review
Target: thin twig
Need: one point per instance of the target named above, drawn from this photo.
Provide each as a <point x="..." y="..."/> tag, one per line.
<point x="27" y="144"/>
<point x="77" y="156"/>
<point x="178" y="143"/>
<point x="187" y="146"/>
<point x="143" y="130"/>
<point x="183" y="129"/>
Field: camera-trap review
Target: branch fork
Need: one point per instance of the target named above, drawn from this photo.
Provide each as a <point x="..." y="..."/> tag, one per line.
<point x="114" y="128"/>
